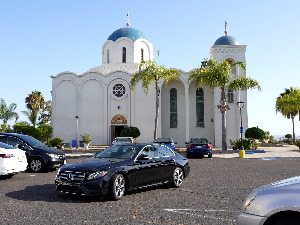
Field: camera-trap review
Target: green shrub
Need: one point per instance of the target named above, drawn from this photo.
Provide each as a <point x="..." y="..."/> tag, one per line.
<point x="47" y="131"/>
<point x="297" y="143"/>
<point x="130" y="132"/>
<point x="56" y="141"/>
<point x="287" y="141"/>
<point x="247" y="144"/>
<point x="22" y="128"/>
<point x="86" y="138"/>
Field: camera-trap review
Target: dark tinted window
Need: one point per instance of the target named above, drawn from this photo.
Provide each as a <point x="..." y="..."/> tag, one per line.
<point x="3" y="138"/>
<point x="2" y="145"/>
<point x="13" y="141"/>
<point x="120" y="152"/>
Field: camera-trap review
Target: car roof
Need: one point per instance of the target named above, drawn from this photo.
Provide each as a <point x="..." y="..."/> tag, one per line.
<point x="13" y="134"/>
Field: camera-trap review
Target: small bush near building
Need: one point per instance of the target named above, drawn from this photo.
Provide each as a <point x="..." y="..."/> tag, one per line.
<point x="247" y="144"/>
<point x="130" y="132"/>
<point x="56" y="141"/>
<point x="22" y="128"/>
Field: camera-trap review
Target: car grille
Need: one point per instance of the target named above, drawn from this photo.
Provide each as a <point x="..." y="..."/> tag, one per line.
<point x="71" y="176"/>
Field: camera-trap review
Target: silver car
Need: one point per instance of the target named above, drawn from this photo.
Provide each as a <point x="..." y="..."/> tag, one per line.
<point x="274" y="204"/>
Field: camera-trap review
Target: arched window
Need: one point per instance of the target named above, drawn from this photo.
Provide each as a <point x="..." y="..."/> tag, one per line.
<point x="200" y="107"/>
<point x="107" y="55"/>
<point x="142" y="54"/>
<point x="173" y="108"/>
<point x="124" y="55"/>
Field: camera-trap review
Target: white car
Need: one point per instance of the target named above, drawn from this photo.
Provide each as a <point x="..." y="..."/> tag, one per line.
<point x="119" y="140"/>
<point x="274" y="204"/>
<point x="12" y="160"/>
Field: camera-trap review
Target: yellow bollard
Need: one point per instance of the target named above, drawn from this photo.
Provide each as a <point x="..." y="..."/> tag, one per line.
<point x="242" y="153"/>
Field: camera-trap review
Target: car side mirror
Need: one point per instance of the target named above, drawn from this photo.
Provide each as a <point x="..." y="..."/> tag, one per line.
<point x="186" y="143"/>
<point x="175" y="143"/>
<point x="21" y="146"/>
<point x="143" y="157"/>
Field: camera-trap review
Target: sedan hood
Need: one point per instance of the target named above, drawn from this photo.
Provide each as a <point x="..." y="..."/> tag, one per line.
<point x="50" y="150"/>
<point x="92" y="164"/>
<point x="280" y="184"/>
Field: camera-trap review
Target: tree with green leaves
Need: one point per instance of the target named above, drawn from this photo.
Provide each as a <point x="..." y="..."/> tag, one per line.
<point x="288" y="104"/>
<point x="254" y="133"/>
<point x="149" y="72"/>
<point x="45" y="113"/>
<point x="34" y="103"/>
<point x="8" y="113"/>
<point x="219" y="75"/>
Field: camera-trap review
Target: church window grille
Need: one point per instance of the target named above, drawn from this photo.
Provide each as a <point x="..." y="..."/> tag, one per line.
<point x="124" y="55"/>
<point x="230" y="98"/>
<point x="107" y="55"/>
<point x="142" y="54"/>
<point x="119" y="90"/>
<point x="200" y="107"/>
<point x="173" y="108"/>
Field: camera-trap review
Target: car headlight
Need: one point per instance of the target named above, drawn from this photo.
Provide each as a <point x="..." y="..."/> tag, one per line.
<point x="96" y="175"/>
<point x="55" y="156"/>
<point x="248" y="200"/>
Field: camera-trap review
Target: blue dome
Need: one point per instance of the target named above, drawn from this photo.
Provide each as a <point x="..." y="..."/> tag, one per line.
<point x="128" y="32"/>
<point x="226" y="40"/>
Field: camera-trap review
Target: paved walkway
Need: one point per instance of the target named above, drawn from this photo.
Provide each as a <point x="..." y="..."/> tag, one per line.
<point x="286" y="151"/>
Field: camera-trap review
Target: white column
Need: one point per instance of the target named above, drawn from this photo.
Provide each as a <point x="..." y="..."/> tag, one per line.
<point x="187" y="112"/>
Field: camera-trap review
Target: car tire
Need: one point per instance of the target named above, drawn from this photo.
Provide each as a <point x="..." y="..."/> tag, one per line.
<point x="288" y="219"/>
<point x="177" y="177"/>
<point x="116" y="187"/>
<point x="36" y="165"/>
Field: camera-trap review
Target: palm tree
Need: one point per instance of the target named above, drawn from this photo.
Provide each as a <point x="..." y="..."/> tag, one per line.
<point x="8" y="113"/>
<point x="34" y="103"/>
<point x="218" y="74"/>
<point x="288" y="104"/>
<point x="148" y="72"/>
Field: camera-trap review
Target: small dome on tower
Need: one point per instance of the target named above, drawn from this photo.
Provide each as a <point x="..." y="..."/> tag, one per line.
<point x="226" y="40"/>
<point x="128" y="32"/>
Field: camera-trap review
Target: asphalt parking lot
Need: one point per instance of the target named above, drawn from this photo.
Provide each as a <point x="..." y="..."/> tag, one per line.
<point x="212" y="194"/>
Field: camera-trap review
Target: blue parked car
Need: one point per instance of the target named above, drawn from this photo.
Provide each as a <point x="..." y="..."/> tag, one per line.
<point x="167" y="142"/>
<point x="198" y="146"/>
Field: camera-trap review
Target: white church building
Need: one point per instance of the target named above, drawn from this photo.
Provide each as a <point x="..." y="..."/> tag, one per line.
<point x="100" y="103"/>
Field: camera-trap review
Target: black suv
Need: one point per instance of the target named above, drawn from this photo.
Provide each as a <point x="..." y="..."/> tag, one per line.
<point x="40" y="157"/>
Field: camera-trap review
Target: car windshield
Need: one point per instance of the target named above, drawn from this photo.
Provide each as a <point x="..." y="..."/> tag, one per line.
<point x="32" y="141"/>
<point x="6" y="146"/>
<point x="120" y="152"/>
<point x="123" y="140"/>
<point x="163" y="140"/>
<point x="199" y="141"/>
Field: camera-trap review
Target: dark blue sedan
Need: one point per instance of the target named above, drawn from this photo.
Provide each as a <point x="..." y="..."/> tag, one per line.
<point x="199" y="147"/>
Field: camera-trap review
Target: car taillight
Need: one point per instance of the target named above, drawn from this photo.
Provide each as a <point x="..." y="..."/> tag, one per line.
<point x="6" y="155"/>
<point x="207" y="146"/>
<point x="191" y="146"/>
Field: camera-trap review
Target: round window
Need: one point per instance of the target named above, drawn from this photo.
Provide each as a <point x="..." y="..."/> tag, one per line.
<point x="118" y="90"/>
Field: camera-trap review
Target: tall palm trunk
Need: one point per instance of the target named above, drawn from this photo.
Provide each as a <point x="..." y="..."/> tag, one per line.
<point x="293" y="122"/>
<point x="157" y="108"/>
<point x="223" y="107"/>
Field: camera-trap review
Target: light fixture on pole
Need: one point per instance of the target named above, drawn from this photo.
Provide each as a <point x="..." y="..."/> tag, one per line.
<point x="241" y="105"/>
<point x="76" y="117"/>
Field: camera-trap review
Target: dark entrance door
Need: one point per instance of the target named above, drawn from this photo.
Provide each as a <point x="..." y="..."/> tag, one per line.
<point x="116" y="131"/>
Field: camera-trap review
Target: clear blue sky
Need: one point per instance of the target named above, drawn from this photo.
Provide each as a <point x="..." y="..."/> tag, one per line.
<point x="40" y="38"/>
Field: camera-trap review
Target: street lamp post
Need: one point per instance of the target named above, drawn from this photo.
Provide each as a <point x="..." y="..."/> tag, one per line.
<point x="76" y="117"/>
<point x="241" y="105"/>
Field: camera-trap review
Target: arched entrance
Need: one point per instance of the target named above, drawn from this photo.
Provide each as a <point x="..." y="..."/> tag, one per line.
<point x="118" y="122"/>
